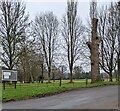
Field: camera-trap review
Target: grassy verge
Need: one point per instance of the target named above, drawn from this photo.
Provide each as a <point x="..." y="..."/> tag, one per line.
<point x="32" y="90"/>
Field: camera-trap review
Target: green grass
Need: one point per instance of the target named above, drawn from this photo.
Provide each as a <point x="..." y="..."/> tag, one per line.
<point x="26" y="91"/>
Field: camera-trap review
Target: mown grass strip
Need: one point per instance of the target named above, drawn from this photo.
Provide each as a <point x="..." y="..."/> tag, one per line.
<point x="32" y="90"/>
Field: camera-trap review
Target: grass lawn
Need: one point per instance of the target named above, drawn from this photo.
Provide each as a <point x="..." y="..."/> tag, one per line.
<point x="26" y="91"/>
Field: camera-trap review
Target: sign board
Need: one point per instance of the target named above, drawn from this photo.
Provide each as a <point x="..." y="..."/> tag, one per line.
<point x="9" y="75"/>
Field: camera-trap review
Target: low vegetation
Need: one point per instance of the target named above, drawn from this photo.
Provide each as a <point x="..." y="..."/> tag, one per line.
<point x="32" y="90"/>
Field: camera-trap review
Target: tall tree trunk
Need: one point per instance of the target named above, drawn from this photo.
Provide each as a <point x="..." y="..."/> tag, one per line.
<point x="94" y="50"/>
<point x="49" y="71"/>
<point x="71" y="75"/>
<point x="42" y="73"/>
<point x="31" y="77"/>
<point x="24" y="74"/>
<point x="110" y="77"/>
<point x="53" y="77"/>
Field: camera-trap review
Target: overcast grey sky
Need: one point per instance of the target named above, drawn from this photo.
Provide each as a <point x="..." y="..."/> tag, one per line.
<point x="34" y="7"/>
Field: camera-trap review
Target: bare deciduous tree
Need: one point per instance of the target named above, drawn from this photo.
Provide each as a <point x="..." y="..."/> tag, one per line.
<point x="29" y="61"/>
<point x="13" y="24"/>
<point x="72" y="29"/>
<point x="108" y="31"/>
<point x="46" y="30"/>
